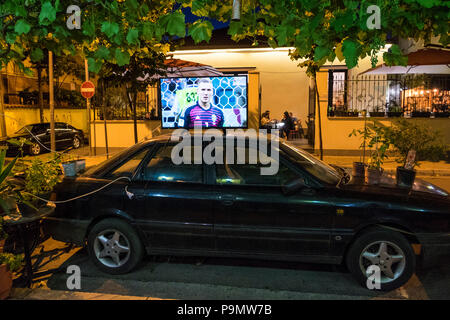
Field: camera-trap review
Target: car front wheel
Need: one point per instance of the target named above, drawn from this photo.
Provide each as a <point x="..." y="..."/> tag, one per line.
<point x="76" y="143"/>
<point x="35" y="149"/>
<point x="114" y="246"/>
<point x="381" y="259"/>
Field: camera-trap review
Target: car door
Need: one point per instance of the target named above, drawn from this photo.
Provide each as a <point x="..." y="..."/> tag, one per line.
<point x="253" y="216"/>
<point x="41" y="132"/>
<point x="111" y="200"/>
<point x="178" y="204"/>
<point x="63" y="135"/>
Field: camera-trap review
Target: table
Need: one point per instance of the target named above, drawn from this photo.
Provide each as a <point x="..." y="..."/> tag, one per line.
<point x="25" y="224"/>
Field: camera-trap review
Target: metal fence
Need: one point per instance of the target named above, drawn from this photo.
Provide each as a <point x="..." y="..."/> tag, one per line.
<point x="389" y="95"/>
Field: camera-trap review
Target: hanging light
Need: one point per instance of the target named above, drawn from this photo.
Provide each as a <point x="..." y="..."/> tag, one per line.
<point x="236" y="15"/>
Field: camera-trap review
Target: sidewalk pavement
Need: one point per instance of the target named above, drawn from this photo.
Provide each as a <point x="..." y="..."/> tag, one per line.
<point x="426" y="168"/>
<point x="46" y="294"/>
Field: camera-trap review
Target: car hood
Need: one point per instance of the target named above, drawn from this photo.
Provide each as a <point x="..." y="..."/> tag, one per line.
<point x="389" y="184"/>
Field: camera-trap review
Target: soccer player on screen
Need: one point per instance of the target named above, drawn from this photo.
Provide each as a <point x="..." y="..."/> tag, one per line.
<point x="203" y="113"/>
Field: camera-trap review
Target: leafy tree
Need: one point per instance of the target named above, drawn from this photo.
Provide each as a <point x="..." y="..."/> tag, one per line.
<point x="321" y="31"/>
<point x="112" y="32"/>
<point x="136" y="76"/>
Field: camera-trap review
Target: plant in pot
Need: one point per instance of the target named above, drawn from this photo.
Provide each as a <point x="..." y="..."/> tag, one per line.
<point x="72" y="165"/>
<point x="378" y="140"/>
<point x="364" y="134"/>
<point x="394" y="110"/>
<point x="40" y="179"/>
<point x="377" y="112"/>
<point x="9" y="263"/>
<point x="406" y="174"/>
<point x="405" y="136"/>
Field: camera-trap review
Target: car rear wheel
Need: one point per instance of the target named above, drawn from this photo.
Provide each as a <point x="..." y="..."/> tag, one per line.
<point x="76" y="143"/>
<point x="35" y="149"/>
<point x="381" y="259"/>
<point x="114" y="246"/>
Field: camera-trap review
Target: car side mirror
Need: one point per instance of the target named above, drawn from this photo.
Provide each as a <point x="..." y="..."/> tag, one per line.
<point x="294" y="186"/>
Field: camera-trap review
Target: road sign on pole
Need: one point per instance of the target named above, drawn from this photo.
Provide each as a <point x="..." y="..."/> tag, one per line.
<point x="87" y="89"/>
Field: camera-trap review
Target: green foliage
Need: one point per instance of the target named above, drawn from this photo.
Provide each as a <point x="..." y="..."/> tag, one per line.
<point x="405" y="135"/>
<point x="201" y="31"/>
<point x="14" y="262"/>
<point x="31" y="28"/>
<point x="42" y="176"/>
<point x="374" y="138"/>
<point x="322" y="30"/>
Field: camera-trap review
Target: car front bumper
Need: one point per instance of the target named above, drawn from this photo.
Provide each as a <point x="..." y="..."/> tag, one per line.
<point x="434" y="247"/>
<point x="66" y="230"/>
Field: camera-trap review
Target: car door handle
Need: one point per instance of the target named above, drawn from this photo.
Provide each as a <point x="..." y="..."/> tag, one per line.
<point x="227" y="200"/>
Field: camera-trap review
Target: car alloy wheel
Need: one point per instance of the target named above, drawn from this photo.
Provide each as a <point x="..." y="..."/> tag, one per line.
<point x="114" y="246"/>
<point x="387" y="256"/>
<point x="35" y="149"/>
<point x="76" y="142"/>
<point x="390" y="251"/>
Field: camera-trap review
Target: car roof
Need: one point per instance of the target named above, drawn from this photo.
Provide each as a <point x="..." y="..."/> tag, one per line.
<point x="168" y="137"/>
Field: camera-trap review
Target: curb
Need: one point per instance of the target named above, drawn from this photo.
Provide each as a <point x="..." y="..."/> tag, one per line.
<point x="47" y="294"/>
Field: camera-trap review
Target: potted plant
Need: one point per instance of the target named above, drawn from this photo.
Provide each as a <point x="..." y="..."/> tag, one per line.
<point x="40" y="177"/>
<point x="8" y="263"/>
<point x="405" y="136"/>
<point x="381" y="143"/>
<point x="72" y="165"/>
<point x="406" y="175"/>
<point x="359" y="168"/>
<point x="353" y="113"/>
<point x="393" y="109"/>
<point x="377" y="112"/>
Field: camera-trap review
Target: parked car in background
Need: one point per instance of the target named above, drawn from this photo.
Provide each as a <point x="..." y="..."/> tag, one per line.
<point x="38" y="134"/>
<point x="308" y="211"/>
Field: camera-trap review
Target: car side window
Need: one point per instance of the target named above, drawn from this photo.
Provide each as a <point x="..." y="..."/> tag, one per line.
<point x="60" y="126"/>
<point x="40" y="128"/>
<point x="230" y="172"/>
<point x="127" y="168"/>
<point x="162" y="168"/>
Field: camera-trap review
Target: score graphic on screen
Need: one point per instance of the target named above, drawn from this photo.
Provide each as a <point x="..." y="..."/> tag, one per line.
<point x="209" y="102"/>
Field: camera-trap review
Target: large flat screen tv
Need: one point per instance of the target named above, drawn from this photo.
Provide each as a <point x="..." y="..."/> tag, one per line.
<point x="207" y="102"/>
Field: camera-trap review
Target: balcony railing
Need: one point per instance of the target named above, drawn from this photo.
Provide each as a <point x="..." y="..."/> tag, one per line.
<point x="390" y="96"/>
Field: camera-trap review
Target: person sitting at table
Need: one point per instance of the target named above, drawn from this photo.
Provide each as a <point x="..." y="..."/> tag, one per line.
<point x="265" y="119"/>
<point x="288" y="125"/>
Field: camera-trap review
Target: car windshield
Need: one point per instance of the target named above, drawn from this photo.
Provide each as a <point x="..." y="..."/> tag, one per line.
<point x="122" y="154"/>
<point x="26" y="129"/>
<point x="314" y="166"/>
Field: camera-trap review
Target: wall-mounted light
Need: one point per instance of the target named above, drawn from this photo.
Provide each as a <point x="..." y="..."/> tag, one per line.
<point x="236" y="15"/>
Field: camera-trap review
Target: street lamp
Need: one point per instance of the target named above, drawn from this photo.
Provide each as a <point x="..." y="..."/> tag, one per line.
<point x="236" y="16"/>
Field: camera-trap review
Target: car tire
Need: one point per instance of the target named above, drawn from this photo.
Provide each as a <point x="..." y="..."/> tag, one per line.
<point x="76" y="142"/>
<point x="35" y="148"/>
<point x="388" y="250"/>
<point x="114" y="246"/>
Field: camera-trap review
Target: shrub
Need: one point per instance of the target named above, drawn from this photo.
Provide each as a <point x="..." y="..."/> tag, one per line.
<point x="405" y="135"/>
<point x="41" y="177"/>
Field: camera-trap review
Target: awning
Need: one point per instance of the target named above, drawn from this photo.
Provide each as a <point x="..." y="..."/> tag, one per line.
<point x="182" y="68"/>
<point x="424" y="61"/>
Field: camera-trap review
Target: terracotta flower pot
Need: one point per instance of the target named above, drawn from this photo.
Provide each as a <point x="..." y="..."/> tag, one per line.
<point x="5" y="282"/>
